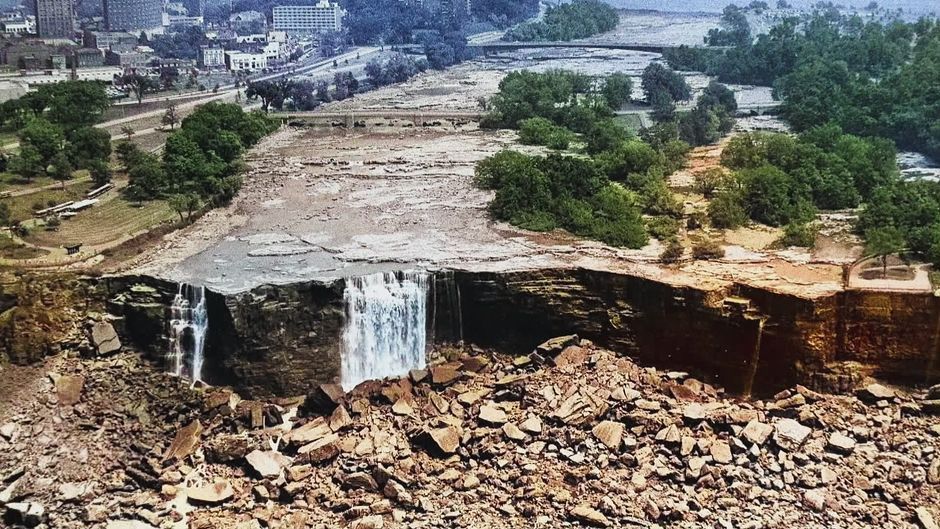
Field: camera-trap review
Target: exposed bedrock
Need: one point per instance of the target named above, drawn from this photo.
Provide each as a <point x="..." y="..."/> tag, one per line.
<point x="284" y="339"/>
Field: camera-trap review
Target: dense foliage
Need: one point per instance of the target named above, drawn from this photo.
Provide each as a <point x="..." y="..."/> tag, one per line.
<point x="201" y="159"/>
<point x="575" y="20"/>
<point x="397" y="69"/>
<point x="872" y="78"/>
<point x="55" y="132"/>
<point x="602" y="195"/>
<point x="734" y="31"/>
<point x="541" y="131"/>
<point x="562" y="191"/>
<point x="780" y="179"/>
<point x="183" y="44"/>
<point x="566" y="98"/>
<point x="69" y="105"/>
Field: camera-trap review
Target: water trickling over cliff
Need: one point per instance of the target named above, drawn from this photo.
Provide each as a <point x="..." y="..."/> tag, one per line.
<point x="385" y="333"/>
<point x="189" y="322"/>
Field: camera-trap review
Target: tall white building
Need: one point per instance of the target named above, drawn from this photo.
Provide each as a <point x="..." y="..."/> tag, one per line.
<point x="324" y="17"/>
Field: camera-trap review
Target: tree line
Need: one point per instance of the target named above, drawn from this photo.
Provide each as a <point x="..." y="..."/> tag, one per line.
<point x="604" y="191"/>
<point x="868" y="77"/>
<point x="54" y="126"/>
<point x="875" y="84"/>
<point x="201" y="163"/>
<point x="304" y="95"/>
<point x="575" y="20"/>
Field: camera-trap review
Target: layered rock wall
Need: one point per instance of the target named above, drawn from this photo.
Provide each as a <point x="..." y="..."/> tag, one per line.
<point x="283" y="339"/>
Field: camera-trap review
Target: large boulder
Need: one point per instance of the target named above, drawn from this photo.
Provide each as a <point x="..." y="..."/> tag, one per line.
<point x="104" y="338"/>
<point x="219" y="492"/>
<point x="185" y="442"/>
<point x="69" y="389"/>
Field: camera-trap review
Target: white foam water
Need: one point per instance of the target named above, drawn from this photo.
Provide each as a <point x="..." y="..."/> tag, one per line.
<point x="386" y="326"/>
<point x="189" y="322"/>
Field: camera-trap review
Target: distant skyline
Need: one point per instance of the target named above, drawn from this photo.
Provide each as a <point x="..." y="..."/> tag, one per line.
<point x="912" y="6"/>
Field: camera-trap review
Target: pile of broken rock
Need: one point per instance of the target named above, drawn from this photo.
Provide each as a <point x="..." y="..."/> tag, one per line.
<point x="570" y="435"/>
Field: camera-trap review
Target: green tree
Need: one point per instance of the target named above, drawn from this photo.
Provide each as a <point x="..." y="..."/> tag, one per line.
<point x="170" y="117"/>
<point x="185" y="203"/>
<point x="272" y="93"/>
<point x="617" y="90"/>
<point x="673" y="252"/>
<point x="87" y="144"/>
<point x="60" y="168"/>
<point x="28" y="163"/>
<point x="771" y="198"/>
<point x="658" y="79"/>
<point x="708" y="181"/>
<point x="619" y="222"/>
<point x="629" y="158"/>
<point x="100" y="172"/>
<point x="44" y="136"/>
<point x="605" y="135"/>
<point x="146" y="177"/>
<point x="74" y="104"/>
<point x="726" y="210"/>
<point x="139" y="84"/>
<point x="884" y="242"/>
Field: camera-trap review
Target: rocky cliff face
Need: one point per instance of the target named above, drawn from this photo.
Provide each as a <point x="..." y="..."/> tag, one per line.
<point x="283" y="339"/>
<point x="42" y="315"/>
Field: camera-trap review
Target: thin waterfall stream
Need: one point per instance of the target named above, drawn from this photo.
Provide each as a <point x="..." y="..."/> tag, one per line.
<point x="189" y="321"/>
<point x="386" y="326"/>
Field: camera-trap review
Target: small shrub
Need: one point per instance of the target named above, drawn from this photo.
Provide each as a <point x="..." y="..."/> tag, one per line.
<point x="662" y="228"/>
<point x="673" y="252"/>
<point x="696" y="220"/>
<point x="706" y="250"/>
<point x="726" y="210"/>
<point x="708" y="182"/>
<point x="52" y="223"/>
<point x="795" y="234"/>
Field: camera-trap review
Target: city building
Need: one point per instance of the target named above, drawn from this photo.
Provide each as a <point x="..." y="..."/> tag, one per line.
<point x="55" y="19"/>
<point x="88" y="58"/>
<point x="30" y="54"/>
<point x="105" y="40"/>
<point x="323" y="17"/>
<point x="17" y="27"/>
<point x="33" y="79"/>
<point x="251" y="39"/>
<point x="179" y="21"/>
<point x="239" y="61"/>
<point x="133" y="15"/>
<point x="211" y="57"/>
<point x="128" y="58"/>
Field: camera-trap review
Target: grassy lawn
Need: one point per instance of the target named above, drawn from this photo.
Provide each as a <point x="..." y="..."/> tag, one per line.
<point x="105" y="222"/>
<point x="22" y="207"/>
<point x="12" y="182"/>
<point x="12" y="250"/>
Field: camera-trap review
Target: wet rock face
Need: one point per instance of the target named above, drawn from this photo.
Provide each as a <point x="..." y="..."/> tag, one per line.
<point x="829" y="343"/>
<point x="661" y="324"/>
<point x="286" y="339"/>
<point x="276" y="340"/>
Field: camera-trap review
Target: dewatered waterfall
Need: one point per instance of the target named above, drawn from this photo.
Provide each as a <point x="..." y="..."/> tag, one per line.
<point x="386" y="326"/>
<point x="189" y="322"/>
